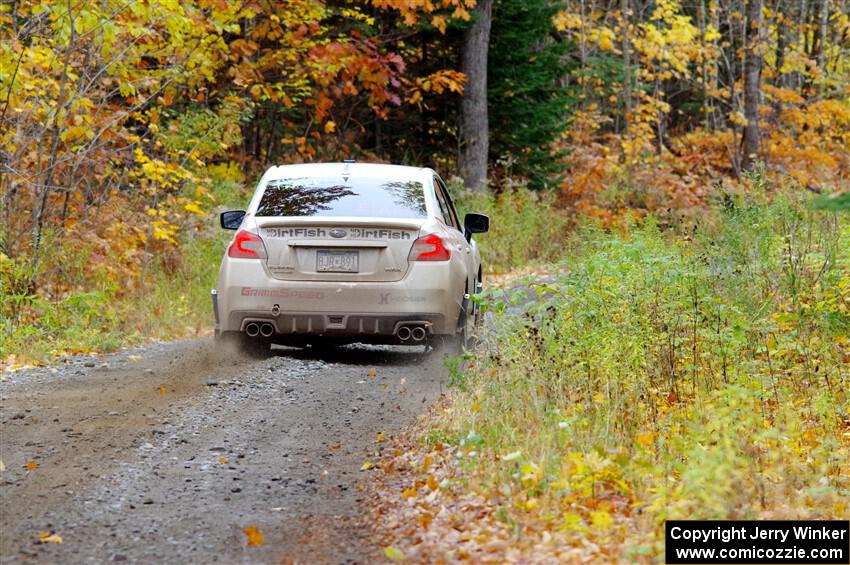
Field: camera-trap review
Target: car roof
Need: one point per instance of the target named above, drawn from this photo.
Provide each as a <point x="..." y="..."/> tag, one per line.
<point x="368" y="170"/>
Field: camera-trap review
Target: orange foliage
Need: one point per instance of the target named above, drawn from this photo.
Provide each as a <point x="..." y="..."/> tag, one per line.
<point x="616" y="176"/>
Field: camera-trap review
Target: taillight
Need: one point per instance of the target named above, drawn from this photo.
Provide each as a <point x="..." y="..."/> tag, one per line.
<point x="247" y="245"/>
<point x="429" y="247"/>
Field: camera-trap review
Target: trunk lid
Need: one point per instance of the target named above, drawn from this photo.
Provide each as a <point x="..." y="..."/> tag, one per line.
<point x="338" y="248"/>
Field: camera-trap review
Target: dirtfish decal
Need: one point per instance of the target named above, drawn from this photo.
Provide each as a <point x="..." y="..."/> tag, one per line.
<point x="353" y="233"/>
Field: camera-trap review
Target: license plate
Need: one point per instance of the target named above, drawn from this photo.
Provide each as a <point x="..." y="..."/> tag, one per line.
<point x="338" y="262"/>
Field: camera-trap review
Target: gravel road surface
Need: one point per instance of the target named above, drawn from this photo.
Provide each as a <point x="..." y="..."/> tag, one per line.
<point x="164" y="453"/>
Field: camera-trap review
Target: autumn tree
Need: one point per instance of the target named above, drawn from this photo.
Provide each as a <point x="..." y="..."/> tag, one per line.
<point x="702" y="77"/>
<point x="83" y="80"/>
<point x="109" y="106"/>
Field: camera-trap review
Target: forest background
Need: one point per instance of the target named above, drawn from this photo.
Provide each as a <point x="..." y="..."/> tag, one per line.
<point x="125" y="125"/>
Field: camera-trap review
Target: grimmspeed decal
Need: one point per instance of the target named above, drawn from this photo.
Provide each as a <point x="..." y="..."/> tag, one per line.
<point x="283" y="293"/>
<point x="350" y="233"/>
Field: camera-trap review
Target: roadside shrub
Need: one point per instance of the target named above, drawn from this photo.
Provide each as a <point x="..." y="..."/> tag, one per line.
<point x="526" y="228"/>
<point x="664" y="377"/>
<point x="91" y="305"/>
<point x="91" y="301"/>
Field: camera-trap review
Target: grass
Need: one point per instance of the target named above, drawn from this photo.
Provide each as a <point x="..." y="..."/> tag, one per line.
<point x="663" y="376"/>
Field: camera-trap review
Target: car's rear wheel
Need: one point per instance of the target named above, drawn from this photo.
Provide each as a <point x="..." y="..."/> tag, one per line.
<point x="241" y="344"/>
<point x="478" y="315"/>
<point x="469" y="325"/>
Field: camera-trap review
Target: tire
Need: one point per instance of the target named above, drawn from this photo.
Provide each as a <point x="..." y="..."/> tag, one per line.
<point x="469" y="325"/>
<point x="241" y="344"/>
<point x="477" y="320"/>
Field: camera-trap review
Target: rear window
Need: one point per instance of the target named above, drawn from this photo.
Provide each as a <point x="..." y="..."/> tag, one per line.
<point x="373" y="198"/>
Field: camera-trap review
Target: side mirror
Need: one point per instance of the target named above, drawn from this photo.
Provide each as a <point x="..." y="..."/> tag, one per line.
<point x="232" y="219"/>
<point x="475" y="223"/>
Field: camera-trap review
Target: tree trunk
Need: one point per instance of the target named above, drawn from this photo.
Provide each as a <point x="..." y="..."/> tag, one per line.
<point x="474" y="125"/>
<point x="627" y="64"/>
<point x="781" y="22"/>
<point x="752" y="83"/>
<point x="703" y="72"/>
<point x="824" y="27"/>
<point x="714" y="66"/>
<point x="781" y="43"/>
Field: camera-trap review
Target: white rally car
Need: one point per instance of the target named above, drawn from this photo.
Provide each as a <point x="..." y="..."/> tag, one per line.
<point x="348" y="252"/>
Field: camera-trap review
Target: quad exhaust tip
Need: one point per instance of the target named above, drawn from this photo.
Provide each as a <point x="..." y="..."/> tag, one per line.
<point x="403" y="333"/>
<point x="252" y="329"/>
<point x="266" y="330"/>
<point x="417" y="333"/>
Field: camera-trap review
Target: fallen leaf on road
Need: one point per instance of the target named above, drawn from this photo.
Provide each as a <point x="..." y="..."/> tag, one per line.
<point x="32" y="466"/>
<point x="380" y="437"/>
<point x="162" y="390"/>
<point x="432" y="483"/>
<point x="409" y="493"/>
<point x="2" y="466"/>
<point x="223" y="460"/>
<point x="426" y="463"/>
<point x="372" y="373"/>
<point x="394" y="554"/>
<point x="255" y="536"/>
<point x="49" y="537"/>
<point x="133" y="357"/>
<point x="366" y="465"/>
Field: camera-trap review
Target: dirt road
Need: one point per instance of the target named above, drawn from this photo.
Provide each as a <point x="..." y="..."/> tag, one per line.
<point x="163" y="454"/>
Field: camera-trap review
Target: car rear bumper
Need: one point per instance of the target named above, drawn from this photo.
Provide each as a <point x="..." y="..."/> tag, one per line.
<point x="334" y="309"/>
